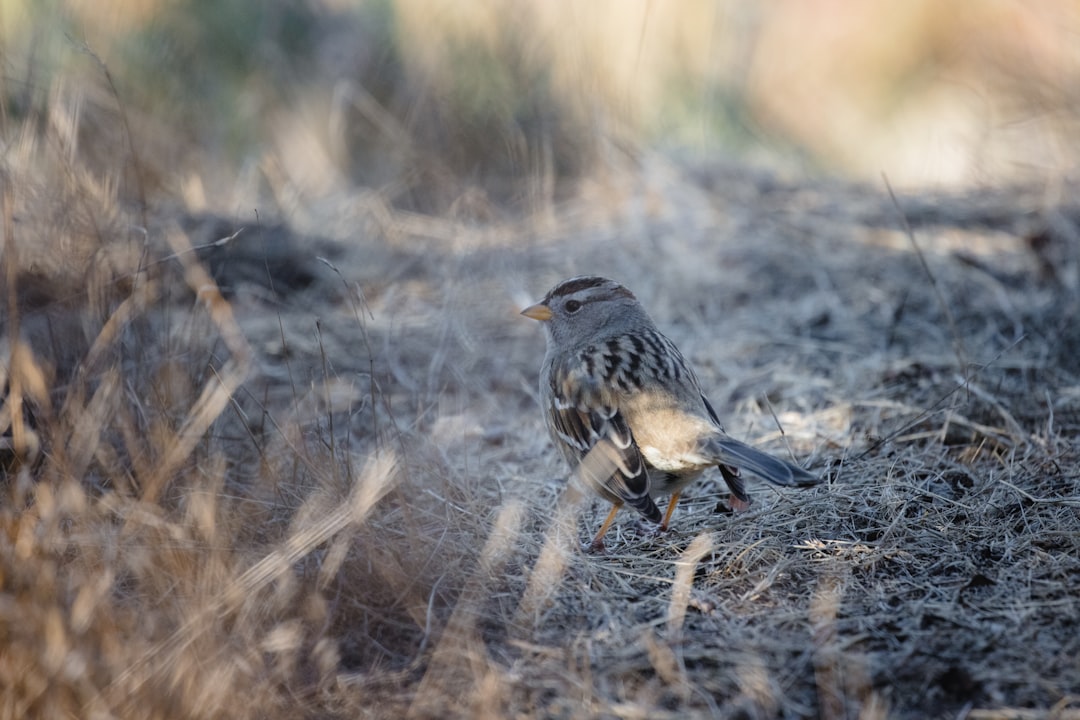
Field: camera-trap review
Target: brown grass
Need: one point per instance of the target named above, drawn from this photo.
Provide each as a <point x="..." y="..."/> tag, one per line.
<point x="252" y="468"/>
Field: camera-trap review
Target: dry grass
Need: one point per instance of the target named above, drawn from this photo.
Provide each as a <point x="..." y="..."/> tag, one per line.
<point x="333" y="498"/>
<point x="265" y="469"/>
<point x="463" y="109"/>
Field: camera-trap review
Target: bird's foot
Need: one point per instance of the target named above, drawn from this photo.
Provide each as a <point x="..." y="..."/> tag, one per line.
<point x="649" y="529"/>
<point x="596" y="547"/>
<point x="733" y="505"/>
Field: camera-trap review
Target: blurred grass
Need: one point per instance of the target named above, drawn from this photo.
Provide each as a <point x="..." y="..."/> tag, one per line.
<point x="425" y="100"/>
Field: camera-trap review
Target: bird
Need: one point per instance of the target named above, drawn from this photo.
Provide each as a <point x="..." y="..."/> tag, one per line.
<point x="626" y="409"/>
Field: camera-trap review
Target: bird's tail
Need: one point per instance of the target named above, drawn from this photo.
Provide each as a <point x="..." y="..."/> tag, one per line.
<point x="730" y="451"/>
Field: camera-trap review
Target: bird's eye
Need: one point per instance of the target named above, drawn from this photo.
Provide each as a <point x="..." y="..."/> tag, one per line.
<point x="572" y="306"/>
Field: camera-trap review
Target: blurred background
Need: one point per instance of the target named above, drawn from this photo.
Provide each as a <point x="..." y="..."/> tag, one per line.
<point x="476" y="107"/>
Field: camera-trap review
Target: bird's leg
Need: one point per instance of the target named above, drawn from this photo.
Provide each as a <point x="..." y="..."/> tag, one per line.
<point x="598" y="541"/>
<point x="670" y="509"/>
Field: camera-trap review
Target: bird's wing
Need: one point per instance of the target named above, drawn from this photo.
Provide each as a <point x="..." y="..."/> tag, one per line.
<point x="601" y="438"/>
<point x="712" y="413"/>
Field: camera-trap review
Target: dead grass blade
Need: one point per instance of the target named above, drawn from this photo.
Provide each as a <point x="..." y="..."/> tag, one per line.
<point x="684" y="581"/>
<point x="459" y="659"/>
<point x="217" y="393"/>
<point x="558" y="546"/>
<point x="958" y="343"/>
<point x="374" y="482"/>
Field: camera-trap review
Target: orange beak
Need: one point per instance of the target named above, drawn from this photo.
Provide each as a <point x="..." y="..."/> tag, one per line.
<point x="539" y="311"/>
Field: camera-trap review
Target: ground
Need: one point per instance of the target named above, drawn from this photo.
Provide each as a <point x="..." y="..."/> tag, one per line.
<point x="302" y="472"/>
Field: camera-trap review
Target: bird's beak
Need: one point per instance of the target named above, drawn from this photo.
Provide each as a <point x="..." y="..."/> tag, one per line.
<point x="539" y="311"/>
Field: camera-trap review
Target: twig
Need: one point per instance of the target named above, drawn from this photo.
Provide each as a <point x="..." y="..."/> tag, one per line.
<point x="779" y="427"/>
<point x="136" y="163"/>
<point x="958" y="345"/>
<point x="965" y="382"/>
<point x="1073" y="501"/>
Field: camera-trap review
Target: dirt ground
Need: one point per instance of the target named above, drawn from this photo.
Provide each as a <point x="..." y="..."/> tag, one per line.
<point x="327" y="492"/>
